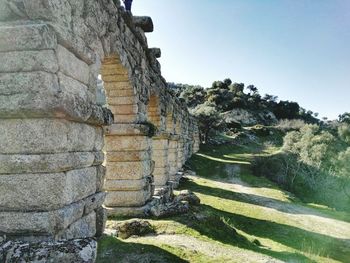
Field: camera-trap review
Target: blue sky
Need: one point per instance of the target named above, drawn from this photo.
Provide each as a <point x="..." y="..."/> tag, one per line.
<point x="296" y="49"/>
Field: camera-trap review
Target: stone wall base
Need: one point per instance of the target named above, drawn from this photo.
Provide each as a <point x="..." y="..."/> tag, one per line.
<point x="77" y="251"/>
<point x="161" y="196"/>
<point x="175" y="179"/>
<point x="127" y="211"/>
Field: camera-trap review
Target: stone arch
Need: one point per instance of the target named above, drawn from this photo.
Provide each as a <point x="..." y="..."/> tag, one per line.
<point x="128" y="180"/>
<point x="172" y="141"/>
<point x="160" y="143"/>
<point x="154" y="112"/>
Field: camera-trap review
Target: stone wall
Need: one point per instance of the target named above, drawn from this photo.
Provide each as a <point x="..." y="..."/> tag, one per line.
<point x="62" y="154"/>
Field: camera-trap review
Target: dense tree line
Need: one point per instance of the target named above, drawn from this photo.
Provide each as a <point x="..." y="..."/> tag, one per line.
<point x="222" y="96"/>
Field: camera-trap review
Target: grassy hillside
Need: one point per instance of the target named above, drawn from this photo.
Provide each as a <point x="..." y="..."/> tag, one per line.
<point x="242" y="218"/>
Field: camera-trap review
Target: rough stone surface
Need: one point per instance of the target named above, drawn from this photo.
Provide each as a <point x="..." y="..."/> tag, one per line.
<point x="30" y="192"/>
<point x="53" y="143"/>
<point x="77" y="251"/>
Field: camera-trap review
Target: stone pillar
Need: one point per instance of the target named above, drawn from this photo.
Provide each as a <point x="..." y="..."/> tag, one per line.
<point x="129" y="180"/>
<point x="51" y="139"/>
<point x="173" y="157"/>
<point x="160" y="147"/>
<point x="180" y="152"/>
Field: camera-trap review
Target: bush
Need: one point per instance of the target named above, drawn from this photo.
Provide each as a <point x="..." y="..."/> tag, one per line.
<point x="289" y="125"/>
<point x="344" y="132"/>
<point x="307" y="182"/>
<point x="314" y="164"/>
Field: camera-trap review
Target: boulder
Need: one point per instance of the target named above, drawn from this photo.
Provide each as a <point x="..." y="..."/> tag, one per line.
<point x="133" y="227"/>
<point x="245" y="117"/>
<point x="187" y="195"/>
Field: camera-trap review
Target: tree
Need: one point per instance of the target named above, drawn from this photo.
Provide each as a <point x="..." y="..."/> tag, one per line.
<point x="227" y="82"/>
<point x="193" y="95"/>
<point x="344" y="118"/>
<point x="237" y="87"/>
<point x="208" y="118"/>
<point x="287" y="110"/>
<point x="252" y="89"/>
<point x="270" y="98"/>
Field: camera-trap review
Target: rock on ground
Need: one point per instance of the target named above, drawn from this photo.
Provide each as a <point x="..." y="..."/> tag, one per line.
<point x="134" y="227"/>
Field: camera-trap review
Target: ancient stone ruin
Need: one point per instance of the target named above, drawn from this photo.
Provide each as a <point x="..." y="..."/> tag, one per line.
<point x="67" y="157"/>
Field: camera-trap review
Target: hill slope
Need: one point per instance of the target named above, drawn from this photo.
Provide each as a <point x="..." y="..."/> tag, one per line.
<point x="242" y="218"/>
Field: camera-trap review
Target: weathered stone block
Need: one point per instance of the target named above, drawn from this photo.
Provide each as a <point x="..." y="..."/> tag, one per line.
<point x="118" y="110"/>
<point x="40" y="223"/>
<point x="128" y="170"/>
<point x="120" y="93"/>
<point x="31" y="136"/>
<point x="126" y="129"/>
<point x="132" y="143"/>
<point x="114" y="87"/>
<point x="101" y="218"/>
<point x="127" y="198"/>
<point x="161" y="176"/>
<point x="40" y="94"/>
<point x="43" y="192"/>
<point x="72" y="66"/>
<point x="128" y="156"/>
<point x="100" y="177"/>
<point x="159" y="154"/>
<point x="160" y="144"/>
<point x="161" y="161"/>
<point x="82" y="228"/>
<point x="27" y="94"/>
<point x="129" y="100"/>
<point x="93" y="202"/>
<point x="5" y="12"/>
<point x="26" y="37"/>
<point x="22" y="61"/>
<point x="46" y="163"/>
<point x="126" y="185"/>
<point x="118" y="77"/>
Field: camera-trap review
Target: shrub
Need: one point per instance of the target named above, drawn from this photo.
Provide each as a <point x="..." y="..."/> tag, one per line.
<point x="314" y="164"/>
<point x="344" y="132"/>
<point x="289" y="125"/>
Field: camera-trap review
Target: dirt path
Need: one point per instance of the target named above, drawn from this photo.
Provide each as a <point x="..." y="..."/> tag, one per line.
<point x="297" y="215"/>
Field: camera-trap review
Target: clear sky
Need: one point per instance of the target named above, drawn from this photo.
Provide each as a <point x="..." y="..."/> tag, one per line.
<point x="296" y="49"/>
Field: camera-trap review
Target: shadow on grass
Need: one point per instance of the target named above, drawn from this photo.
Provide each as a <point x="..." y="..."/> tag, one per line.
<point x="299" y="239"/>
<point x="217" y="170"/>
<point x="111" y="249"/>
<point x="218" y="226"/>
<point x="306" y="241"/>
<point x="262" y="201"/>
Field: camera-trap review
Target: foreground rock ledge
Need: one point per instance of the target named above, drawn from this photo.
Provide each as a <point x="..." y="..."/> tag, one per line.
<point x="77" y="251"/>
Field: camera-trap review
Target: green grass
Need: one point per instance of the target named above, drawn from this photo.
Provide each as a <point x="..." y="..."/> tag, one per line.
<point x="257" y="218"/>
<point x="111" y="249"/>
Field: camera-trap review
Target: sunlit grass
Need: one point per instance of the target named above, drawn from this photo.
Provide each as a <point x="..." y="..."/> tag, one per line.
<point x="249" y="214"/>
